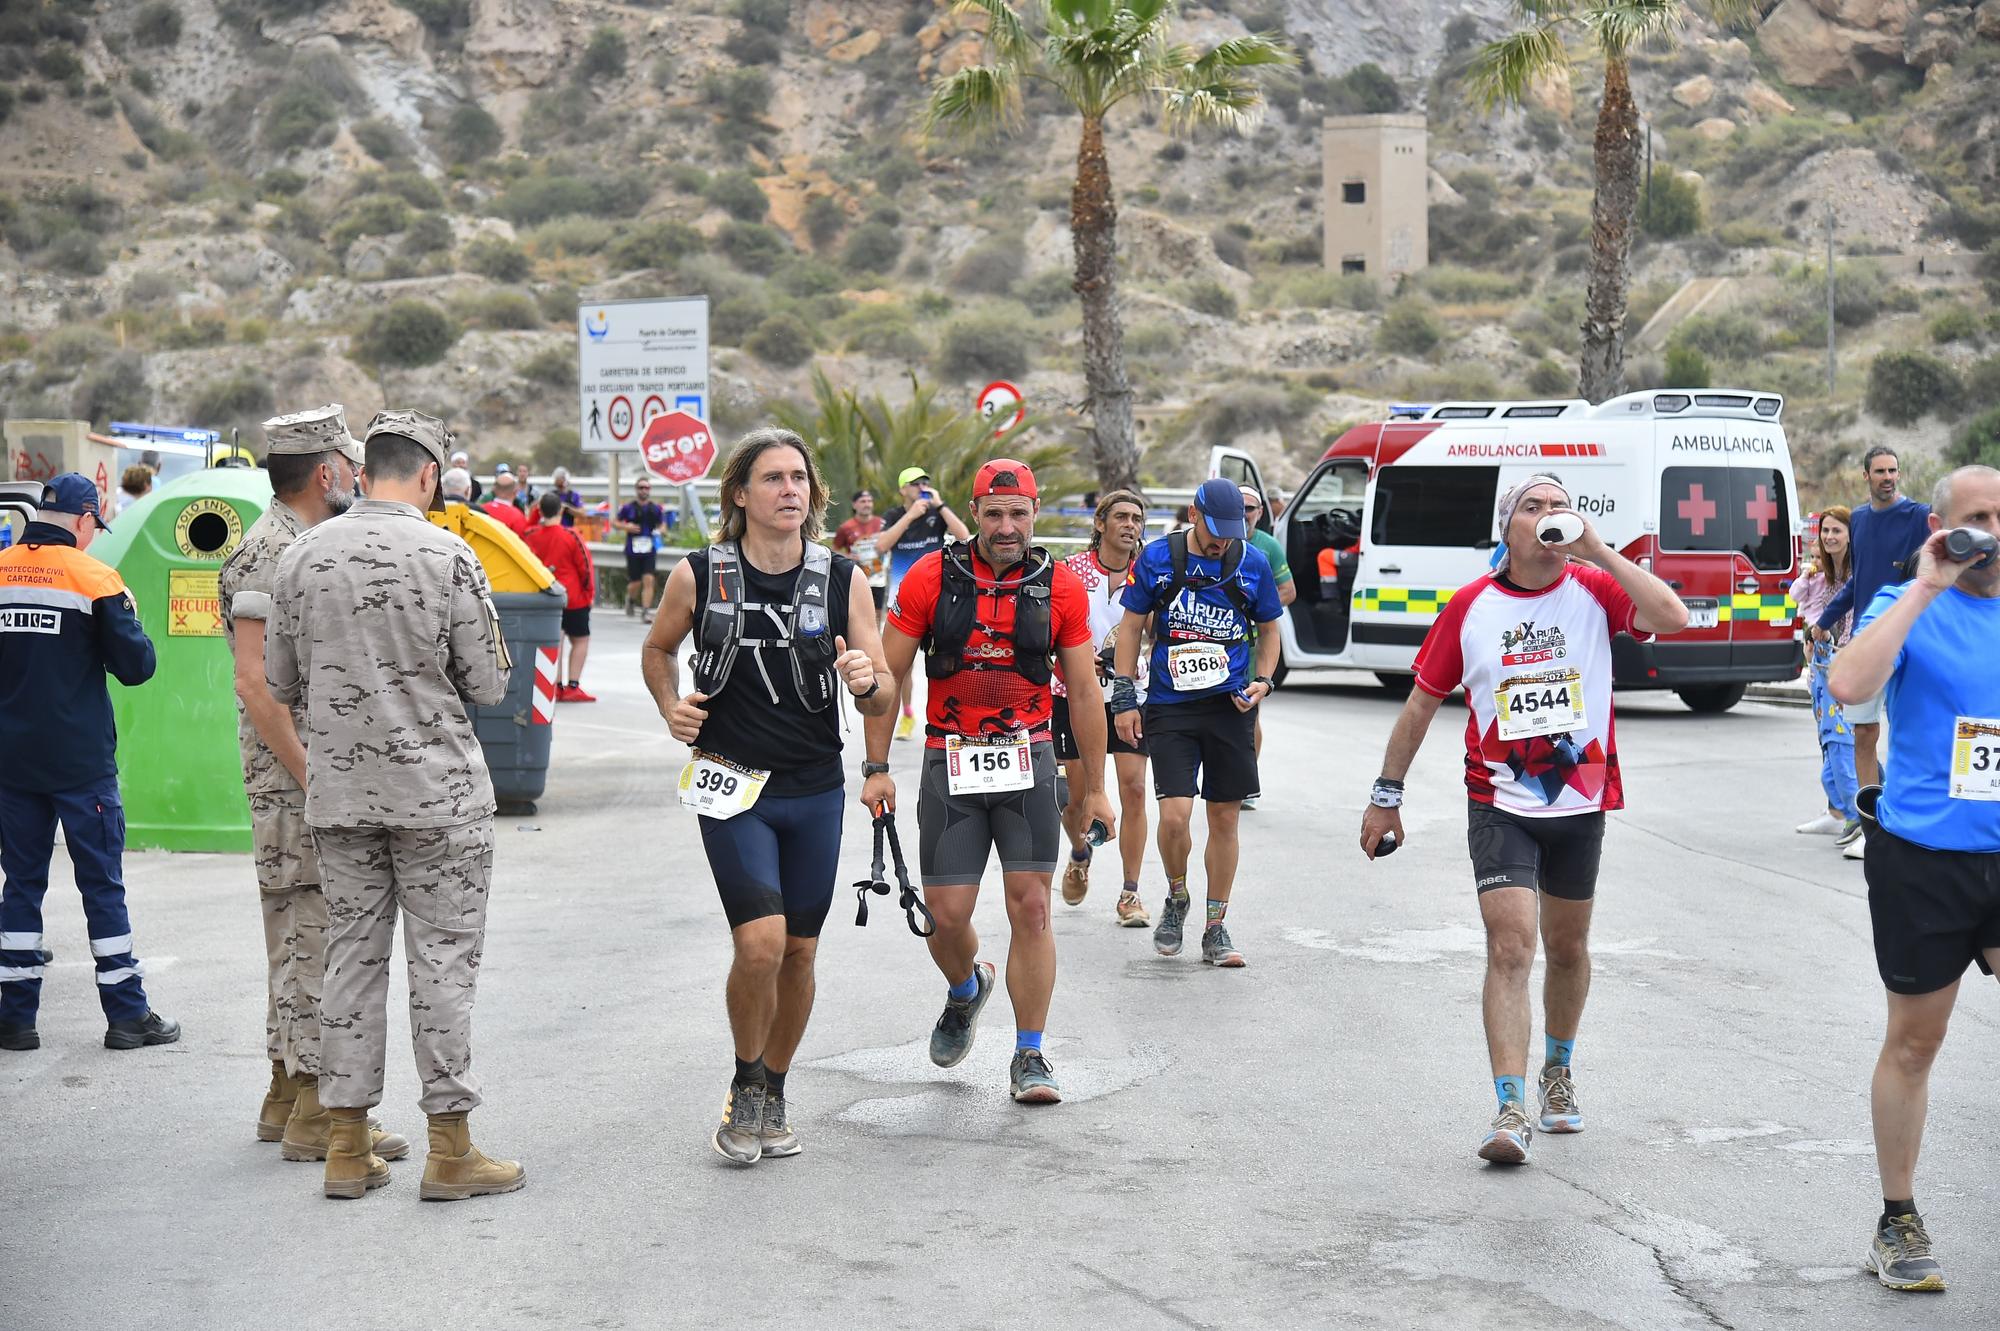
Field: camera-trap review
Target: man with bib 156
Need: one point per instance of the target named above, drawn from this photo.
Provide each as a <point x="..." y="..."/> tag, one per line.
<point x="773" y="615"/>
<point x="1531" y="644"/>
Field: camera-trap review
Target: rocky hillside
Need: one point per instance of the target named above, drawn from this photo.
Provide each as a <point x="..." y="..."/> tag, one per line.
<point x="213" y="209"/>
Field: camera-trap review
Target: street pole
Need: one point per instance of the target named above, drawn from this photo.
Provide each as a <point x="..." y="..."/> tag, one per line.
<point x="1830" y="364"/>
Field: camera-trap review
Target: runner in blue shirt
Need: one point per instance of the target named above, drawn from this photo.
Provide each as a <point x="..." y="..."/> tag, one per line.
<point x="1204" y="592"/>
<point x="1933" y="860"/>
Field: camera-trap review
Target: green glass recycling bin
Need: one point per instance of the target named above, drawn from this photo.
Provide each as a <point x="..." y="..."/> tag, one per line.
<point x="179" y="767"/>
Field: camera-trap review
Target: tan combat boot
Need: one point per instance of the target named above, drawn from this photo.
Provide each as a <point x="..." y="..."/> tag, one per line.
<point x="456" y="1169"/>
<point x="307" y="1131"/>
<point x="276" y="1110"/>
<point x="351" y="1168"/>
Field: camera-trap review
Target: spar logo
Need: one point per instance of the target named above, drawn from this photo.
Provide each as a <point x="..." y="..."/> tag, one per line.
<point x="1525" y="645"/>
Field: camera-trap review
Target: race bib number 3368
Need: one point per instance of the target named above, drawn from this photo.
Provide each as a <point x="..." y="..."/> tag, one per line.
<point x="1197" y="665"/>
<point x="1975" y="759"/>
<point x="1545" y="703"/>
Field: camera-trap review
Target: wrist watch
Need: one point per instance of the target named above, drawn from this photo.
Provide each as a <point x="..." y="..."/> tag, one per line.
<point x="874" y="769"/>
<point x="1265" y="680"/>
<point x="874" y="687"/>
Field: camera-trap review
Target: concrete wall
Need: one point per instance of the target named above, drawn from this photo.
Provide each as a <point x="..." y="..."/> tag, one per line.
<point x="1386" y="160"/>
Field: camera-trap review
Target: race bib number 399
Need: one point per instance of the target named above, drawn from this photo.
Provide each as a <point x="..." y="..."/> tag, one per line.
<point x="717" y="788"/>
<point x="976" y="767"/>
<point x="1545" y="703"/>
<point x="1975" y="759"/>
<point x="1197" y="665"/>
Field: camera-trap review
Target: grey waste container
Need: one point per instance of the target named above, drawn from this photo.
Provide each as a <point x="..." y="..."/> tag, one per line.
<point x="515" y="732"/>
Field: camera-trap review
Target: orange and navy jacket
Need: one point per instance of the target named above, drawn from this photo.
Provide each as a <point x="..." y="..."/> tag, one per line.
<point x="65" y="619"/>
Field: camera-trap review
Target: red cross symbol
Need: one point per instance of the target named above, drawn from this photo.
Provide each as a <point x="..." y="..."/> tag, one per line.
<point x="1763" y="510"/>
<point x="1697" y="511"/>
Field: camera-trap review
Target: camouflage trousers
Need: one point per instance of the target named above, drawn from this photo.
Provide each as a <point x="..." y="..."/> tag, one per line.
<point x="294" y="928"/>
<point x="437" y="877"/>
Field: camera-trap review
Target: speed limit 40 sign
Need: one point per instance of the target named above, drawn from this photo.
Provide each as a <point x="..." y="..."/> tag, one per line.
<point x="678" y="448"/>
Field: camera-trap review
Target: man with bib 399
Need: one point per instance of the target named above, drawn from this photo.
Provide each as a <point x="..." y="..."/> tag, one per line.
<point x="1933" y="856"/>
<point x="782" y="626"/>
<point x="990" y="614"/>
<point x="1531" y="643"/>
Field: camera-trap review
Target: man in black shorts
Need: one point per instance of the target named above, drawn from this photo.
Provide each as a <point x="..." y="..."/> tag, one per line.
<point x="783" y="626"/>
<point x="1531" y="644"/>
<point x="1933" y="857"/>
<point x="990" y="614"/>
<point x="1205" y="591"/>
<point x="641" y="521"/>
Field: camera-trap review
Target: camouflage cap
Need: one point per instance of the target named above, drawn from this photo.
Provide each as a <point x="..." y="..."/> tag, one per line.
<point x="314" y="431"/>
<point x="428" y="432"/>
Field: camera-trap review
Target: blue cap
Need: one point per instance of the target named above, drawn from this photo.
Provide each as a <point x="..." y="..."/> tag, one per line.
<point x="73" y="492"/>
<point x="1221" y="506"/>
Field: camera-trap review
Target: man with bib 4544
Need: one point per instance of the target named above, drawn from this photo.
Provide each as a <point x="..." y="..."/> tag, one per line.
<point x="1531" y="644"/>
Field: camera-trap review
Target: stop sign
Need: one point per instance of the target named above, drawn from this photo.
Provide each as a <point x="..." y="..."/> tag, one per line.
<point x="678" y="448"/>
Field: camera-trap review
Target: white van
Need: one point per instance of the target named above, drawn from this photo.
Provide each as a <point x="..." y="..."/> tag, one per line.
<point x="1694" y="484"/>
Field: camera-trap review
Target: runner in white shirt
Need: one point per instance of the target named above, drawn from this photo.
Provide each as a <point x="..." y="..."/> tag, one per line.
<point x="1531" y="644"/>
<point x="1118" y="529"/>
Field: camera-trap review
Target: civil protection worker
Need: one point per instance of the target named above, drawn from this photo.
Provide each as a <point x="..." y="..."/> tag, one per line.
<point x="385" y="628"/>
<point x="990" y="614"/>
<point x="783" y="627"/>
<point x="65" y="619"/>
<point x="313" y="464"/>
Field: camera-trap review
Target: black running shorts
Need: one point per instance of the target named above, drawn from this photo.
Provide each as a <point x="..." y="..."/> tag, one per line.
<point x="1557" y="855"/>
<point x="1208" y="740"/>
<point x="957" y="833"/>
<point x="641" y="566"/>
<point x="1066" y="750"/>
<point x="576" y="623"/>
<point x="1934" y="911"/>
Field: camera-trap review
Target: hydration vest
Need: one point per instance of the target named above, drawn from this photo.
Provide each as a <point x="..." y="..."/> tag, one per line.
<point x="959" y="589"/>
<point x="1232" y="586"/>
<point x="802" y="630"/>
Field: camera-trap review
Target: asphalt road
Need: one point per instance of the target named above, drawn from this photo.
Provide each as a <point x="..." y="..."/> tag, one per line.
<point x="1290" y="1144"/>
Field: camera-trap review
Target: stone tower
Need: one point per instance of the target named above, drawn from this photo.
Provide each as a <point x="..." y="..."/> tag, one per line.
<point x="1377" y="181"/>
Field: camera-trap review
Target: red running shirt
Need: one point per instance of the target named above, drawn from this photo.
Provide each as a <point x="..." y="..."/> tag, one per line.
<point x="994" y="700"/>
<point x="562" y="550"/>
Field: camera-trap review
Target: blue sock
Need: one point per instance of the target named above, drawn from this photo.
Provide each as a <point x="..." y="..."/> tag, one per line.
<point x="968" y="989"/>
<point x="1558" y="1051"/>
<point x="1511" y="1088"/>
<point x="1027" y="1040"/>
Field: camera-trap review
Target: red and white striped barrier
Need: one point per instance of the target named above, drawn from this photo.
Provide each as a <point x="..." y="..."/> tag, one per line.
<point x="545" y="686"/>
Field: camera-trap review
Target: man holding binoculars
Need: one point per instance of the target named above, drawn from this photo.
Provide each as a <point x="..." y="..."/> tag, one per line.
<point x="1933" y="851"/>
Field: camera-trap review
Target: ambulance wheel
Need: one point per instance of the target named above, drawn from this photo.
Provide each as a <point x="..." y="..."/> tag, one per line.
<point x="1398" y="685"/>
<point x="1711" y="699"/>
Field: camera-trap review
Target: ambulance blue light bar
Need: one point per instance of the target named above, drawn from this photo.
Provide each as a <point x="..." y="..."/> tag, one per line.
<point x="166" y="434"/>
<point x="1408" y="411"/>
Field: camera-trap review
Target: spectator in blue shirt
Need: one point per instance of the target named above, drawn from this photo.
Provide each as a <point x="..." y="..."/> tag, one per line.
<point x="1886" y="532"/>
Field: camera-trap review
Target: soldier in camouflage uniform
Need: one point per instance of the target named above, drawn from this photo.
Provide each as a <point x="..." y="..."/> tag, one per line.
<point x="313" y="463"/>
<point x="385" y="627"/>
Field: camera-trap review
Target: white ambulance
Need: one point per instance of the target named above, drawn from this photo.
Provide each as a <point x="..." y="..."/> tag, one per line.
<point x="1694" y="484"/>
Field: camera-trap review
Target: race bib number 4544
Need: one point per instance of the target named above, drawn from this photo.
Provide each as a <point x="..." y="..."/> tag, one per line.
<point x="1545" y="703"/>
<point x="1975" y="759"/>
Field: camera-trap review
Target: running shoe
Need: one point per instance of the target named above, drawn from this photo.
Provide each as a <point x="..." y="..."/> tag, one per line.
<point x="906" y="727"/>
<point x="1031" y="1081"/>
<point x="1901" y="1257"/>
<point x="1560" y="1111"/>
<point x="1856" y="849"/>
<point x="1506" y="1143"/>
<point x="573" y="693"/>
<point x="779" y="1139"/>
<point x="1167" y="935"/>
<point x="1076" y="879"/>
<point x="1217" y="950"/>
<point x="631" y="609"/>
<point x="1824" y="825"/>
<point x="741" y="1136"/>
<point x="1132" y="911"/>
<point x="951" y="1038"/>
<point x="646" y="618"/>
<point x="1250" y="801"/>
<point x="1850" y="832"/>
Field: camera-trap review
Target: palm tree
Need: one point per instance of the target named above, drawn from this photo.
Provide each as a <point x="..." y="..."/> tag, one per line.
<point x="1097" y="54"/>
<point x="1506" y="69"/>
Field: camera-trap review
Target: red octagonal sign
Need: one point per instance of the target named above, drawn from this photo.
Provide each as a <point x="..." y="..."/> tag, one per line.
<point x="678" y="448"/>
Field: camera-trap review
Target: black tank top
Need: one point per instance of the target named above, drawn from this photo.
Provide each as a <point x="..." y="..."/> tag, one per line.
<point x="800" y="749"/>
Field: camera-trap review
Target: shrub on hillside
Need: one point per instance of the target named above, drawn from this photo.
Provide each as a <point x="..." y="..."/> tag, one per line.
<point x="111" y="390"/>
<point x="157" y="24"/>
<point x="1548" y="379"/>
<point x="296" y="116"/>
<point x="507" y="310"/>
<point x="738" y="194"/>
<point x="441" y="17"/>
<point x="1906" y="386"/>
<point x="381" y="140"/>
<point x="654" y="245"/>
<point x="501" y="260"/>
<point x="991" y="345"/>
<point x="570" y="235"/>
<point x="1155" y="337"/>
<point x="553" y="367"/>
<point x="369" y="215"/>
<point x="1209" y="297"/>
<point x="990" y="268"/>
<point x="75" y="253"/>
<point x="1954" y="323"/>
<point x="768" y="15"/>
<point x="872" y="247"/>
<point x="752" y="246"/>
<point x="604" y="55"/>
<point x="752" y="46"/>
<point x="825" y="219"/>
<point x="808" y="277"/>
<point x="1046" y="292"/>
<point x="1979" y="441"/>
<point x="472" y="134"/>
<point x="734" y="318"/>
<point x="407" y="334"/>
<point x="1728" y="336"/>
<point x="429" y="233"/>
<point x="1982" y="383"/>
<point x="1322" y="289"/>
<point x="1409" y="328"/>
<point x="739" y="94"/>
<point x="1686" y="366"/>
<point x="540" y="198"/>
<point x="782" y="340"/>
<point x="1673" y="208"/>
<point x="1465" y="286"/>
<point x="244" y="395"/>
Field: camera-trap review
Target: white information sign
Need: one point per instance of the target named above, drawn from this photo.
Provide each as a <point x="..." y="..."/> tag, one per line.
<point x="638" y="359"/>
